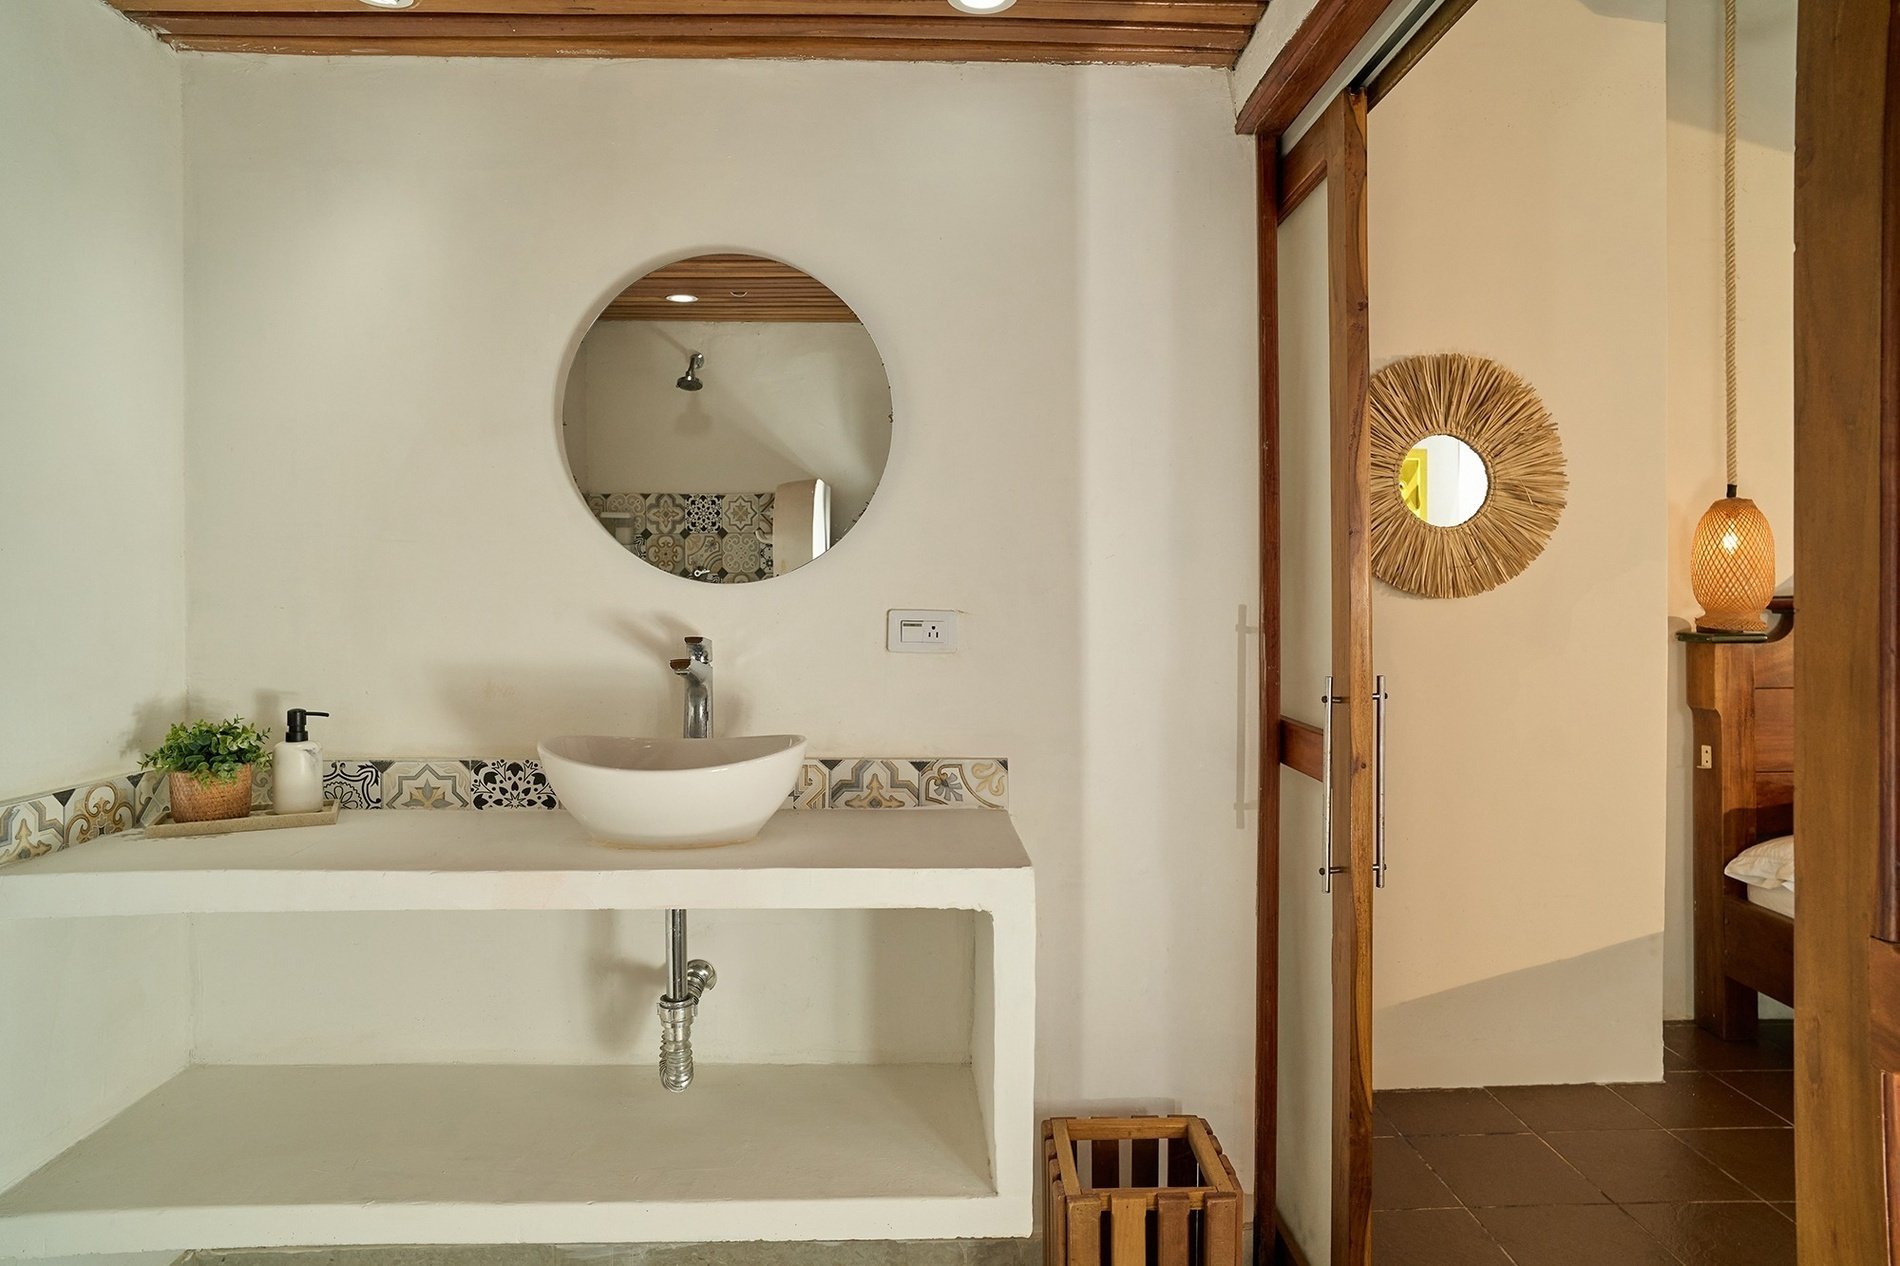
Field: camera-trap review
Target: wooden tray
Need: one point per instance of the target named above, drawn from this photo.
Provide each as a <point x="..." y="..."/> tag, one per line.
<point x="263" y="820"/>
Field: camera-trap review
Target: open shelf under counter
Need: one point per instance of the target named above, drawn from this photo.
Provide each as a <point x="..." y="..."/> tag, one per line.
<point x="524" y="859"/>
<point x="260" y="1156"/>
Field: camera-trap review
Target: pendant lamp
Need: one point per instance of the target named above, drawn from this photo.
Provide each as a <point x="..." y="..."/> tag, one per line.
<point x="1732" y="563"/>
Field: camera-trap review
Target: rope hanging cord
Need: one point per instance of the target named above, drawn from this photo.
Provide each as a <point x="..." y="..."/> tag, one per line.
<point x="1729" y="322"/>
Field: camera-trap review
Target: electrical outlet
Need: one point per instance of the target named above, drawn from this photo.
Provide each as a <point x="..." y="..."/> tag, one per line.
<point x="1707" y="759"/>
<point x="921" y="632"/>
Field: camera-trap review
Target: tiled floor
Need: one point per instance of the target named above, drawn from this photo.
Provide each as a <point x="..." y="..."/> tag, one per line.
<point x="1697" y="1169"/>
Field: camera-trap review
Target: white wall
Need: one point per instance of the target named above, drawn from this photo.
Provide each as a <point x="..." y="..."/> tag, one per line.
<point x="781" y="402"/>
<point x="1519" y="938"/>
<point x="91" y="532"/>
<point x="1765" y="250"/>
<point x="1055" y="262"/>
<point x="92" y="385"/>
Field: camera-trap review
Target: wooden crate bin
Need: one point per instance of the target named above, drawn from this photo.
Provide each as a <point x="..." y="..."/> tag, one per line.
<point x="1160" y="1192"/>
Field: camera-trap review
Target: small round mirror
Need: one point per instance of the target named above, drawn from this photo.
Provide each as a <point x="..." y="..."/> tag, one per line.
<point x="727" y="418"/>
<point x="1443" y="480"/>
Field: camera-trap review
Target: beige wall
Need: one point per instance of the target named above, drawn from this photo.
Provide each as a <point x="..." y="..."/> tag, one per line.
<point x="93" y="1013"/>
<point x="1765" y="251"/>
<point x="1519" y="938"/>
<point x="92" y="385"/>
<point x="379" y="316"/>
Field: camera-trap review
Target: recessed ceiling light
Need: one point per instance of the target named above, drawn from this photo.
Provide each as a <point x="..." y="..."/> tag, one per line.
<point x="682" y="298"/>
<point x="390" y="4"/>
<point x="981" y="6"/>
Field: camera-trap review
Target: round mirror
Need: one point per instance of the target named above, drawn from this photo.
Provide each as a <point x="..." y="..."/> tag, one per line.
<point x="727" y="418"/>
<point x="1443" y="481"/>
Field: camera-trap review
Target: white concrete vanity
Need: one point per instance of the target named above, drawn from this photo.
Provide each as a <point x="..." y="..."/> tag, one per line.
<point x="333" y="1153"/>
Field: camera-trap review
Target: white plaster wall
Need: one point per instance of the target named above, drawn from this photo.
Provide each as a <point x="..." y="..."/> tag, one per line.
<point x="1764" y="53"/>
<point x="92" y="385"/>
<point x="96" y="1012"/>
<point x="852" y="987"/>
<point x="390" y="262"/>
<point x="1519" y="938"/>
<point x="781" y="402"/>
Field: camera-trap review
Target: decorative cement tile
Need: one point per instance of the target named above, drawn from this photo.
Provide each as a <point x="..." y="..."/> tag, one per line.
<point x="510" y="784"/>
<point x="428" y="784"/>
<point x="355" y="784"/>
<point x="261" y="784"/>
<point x="811" y="789"/>
<point x="962" y="783"/>
<point x="875" y="784"/>
<point x="32" y="827"/>
<point x="151" y="795"/>
<point x="100" y="808"/>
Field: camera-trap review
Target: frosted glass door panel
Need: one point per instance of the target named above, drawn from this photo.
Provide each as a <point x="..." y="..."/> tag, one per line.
<point x="1306" y="918"/>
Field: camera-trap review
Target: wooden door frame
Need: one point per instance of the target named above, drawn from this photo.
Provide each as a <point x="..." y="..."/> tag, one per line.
<point x="1321" y="46"/>
<point x="1335" y="147"/>
<point x="1845" y="474"/>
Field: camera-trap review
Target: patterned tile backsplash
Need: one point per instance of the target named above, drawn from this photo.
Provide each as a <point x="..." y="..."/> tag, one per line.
<point x="720" y="536"/>
<point x="34" y="825"/>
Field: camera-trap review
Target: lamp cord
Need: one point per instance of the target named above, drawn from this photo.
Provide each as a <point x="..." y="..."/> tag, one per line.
<point x="1728" y="233"/>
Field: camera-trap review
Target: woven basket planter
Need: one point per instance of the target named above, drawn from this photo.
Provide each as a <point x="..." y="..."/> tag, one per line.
<point x="194" y="801"/>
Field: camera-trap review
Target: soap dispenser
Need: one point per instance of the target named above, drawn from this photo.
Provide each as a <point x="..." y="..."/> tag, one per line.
<point x="297" y="767"/>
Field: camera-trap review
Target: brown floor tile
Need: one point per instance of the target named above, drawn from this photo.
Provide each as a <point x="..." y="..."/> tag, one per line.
<point x="1773" y="1046"/>
<point x="1696" y="1101"/>
<point x="1646" y="1166"/>
<point x="1721" y="1234"/>
<point x="1496" y="1169"/>
<point x="1546" y="1108"/>
<point x="1786" y="1211"/>
<point x="1773" y="1090"/>
<point x="1433" y="1237"/>
<point x="1416" y="1112"/>
<point x="1675" y="1063"/>
<point x="1381" y="1127"/>
<point x="1573" y="1235"/>
<point x="1400" y="1180"/>
<point x="1760" y="1160"/>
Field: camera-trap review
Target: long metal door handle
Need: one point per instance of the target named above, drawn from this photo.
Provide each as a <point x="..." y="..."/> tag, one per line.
<point x="1379" y="698"/>
<point x="1327" y="700"/>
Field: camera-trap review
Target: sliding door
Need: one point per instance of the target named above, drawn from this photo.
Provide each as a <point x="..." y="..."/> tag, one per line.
<point x="1328" y="824"/>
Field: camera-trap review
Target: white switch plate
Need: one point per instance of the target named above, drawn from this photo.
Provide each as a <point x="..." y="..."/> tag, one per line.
<point x="921" y="632"/>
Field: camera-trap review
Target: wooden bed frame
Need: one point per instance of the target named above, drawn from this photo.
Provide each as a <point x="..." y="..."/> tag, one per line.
<point x="1742" y="697"/>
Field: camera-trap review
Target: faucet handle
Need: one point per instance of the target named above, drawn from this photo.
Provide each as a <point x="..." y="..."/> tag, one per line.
<point x="700" y="649"/>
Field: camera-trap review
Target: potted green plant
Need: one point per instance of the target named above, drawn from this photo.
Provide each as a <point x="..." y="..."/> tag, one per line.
<point x="210" y="764"/>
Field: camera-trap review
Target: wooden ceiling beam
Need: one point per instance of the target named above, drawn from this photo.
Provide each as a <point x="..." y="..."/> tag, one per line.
<point x="808" y="49"/>
<point x="401" y="27"/>
<point x="1242" y="13"/>
<point x="1165" y="32"/>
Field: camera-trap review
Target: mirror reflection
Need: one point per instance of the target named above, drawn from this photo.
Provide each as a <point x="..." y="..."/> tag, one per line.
<point x="1443" y="480"/>
<point x="727" y="419"/>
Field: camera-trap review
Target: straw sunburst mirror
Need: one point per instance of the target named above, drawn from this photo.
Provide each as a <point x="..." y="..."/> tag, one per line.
<point x="1468" y="475"/>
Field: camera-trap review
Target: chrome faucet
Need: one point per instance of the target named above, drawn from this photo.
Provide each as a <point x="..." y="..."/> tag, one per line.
<point x="696" y="670"/>
<point x="687" y="979"/>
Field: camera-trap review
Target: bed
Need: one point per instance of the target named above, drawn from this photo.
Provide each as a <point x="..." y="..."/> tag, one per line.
<point x="1741" y="695"/>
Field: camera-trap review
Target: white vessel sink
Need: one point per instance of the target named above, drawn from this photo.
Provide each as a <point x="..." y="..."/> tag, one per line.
<point x="672" y="793"/>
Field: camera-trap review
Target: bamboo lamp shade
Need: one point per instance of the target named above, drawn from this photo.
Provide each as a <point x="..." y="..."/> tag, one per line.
<point x="1500" y="417"/>
<point x="1732" y="567"/>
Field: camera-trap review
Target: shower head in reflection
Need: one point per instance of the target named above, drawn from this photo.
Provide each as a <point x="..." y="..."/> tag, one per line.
<point x="691" y="381"/>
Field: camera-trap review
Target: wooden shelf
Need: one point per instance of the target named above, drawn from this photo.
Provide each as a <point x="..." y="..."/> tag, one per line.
<point x="260" y="1156"/>
<point x="533" y="860"/>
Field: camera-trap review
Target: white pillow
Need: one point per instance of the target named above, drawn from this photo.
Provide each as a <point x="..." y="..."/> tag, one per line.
<point x="1769" y="864"/>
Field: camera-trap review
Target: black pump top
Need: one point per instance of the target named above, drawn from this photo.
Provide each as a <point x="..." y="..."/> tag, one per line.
<point x="294" y="729"/>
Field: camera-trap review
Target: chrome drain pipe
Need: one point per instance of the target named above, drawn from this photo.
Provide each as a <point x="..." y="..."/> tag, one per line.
<point x="686" y="980"/>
